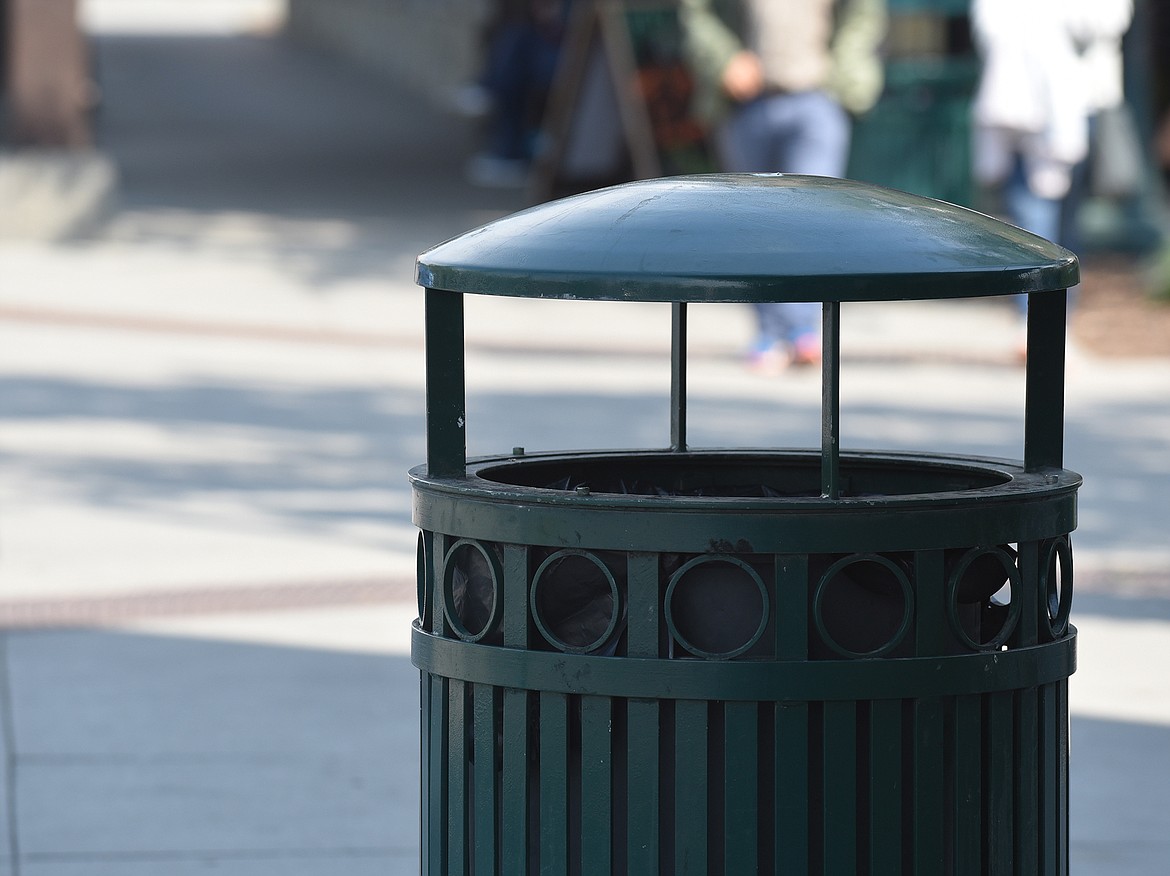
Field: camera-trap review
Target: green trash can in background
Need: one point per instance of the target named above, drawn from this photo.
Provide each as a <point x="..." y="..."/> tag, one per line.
<point x="686" y="661"/>
<point x="931" y="75"/>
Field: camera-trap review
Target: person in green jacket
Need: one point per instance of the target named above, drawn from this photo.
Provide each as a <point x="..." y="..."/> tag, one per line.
<point x="777" y="82"/>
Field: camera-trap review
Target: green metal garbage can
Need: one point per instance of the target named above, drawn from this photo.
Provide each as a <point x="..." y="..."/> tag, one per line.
<point x="685" y="661"/>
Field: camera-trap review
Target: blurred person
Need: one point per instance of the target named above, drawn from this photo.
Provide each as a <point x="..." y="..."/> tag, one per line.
<point x="777" y="82"/>
<point x="1097" y="28"/>
<point x="522" y="47"/>
<point x="1031" y="111"/>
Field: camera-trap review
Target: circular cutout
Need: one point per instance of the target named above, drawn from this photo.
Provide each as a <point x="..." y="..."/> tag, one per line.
<point x="1056" y="581"/>
<point x="425" y="575"/>
<point x="980" y="615"/>
<point x="575" y="601"/>
<point x="716" y="607"/>
<point x="471" y="587"/>
<point x="863" y="606"/>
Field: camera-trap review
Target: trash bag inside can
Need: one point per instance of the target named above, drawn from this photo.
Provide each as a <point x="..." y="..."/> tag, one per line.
<point x="644" y="487"/>
<point x="984" y="577"/>
<point x="984" y="593"/>
<point x="717" y="608"/>
<point x="575" y="602"/>
<point x="473" y="593"/>
<point x="863" y="606"/>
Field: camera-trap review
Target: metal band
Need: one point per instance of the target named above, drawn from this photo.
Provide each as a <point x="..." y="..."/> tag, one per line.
<point x="669" y="525"/>
<point x="746" y="680"/>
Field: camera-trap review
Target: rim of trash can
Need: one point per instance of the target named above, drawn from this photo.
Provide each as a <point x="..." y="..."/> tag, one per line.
<point x="747" y="238"/>
<point x="1011" y="505"/>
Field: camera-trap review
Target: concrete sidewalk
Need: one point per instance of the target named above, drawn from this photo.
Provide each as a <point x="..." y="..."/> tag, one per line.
<point x="206" y="414"/>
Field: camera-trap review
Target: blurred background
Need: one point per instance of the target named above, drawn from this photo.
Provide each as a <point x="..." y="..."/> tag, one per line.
<point x="211" y="391"/>
<point x="122" y="102"/>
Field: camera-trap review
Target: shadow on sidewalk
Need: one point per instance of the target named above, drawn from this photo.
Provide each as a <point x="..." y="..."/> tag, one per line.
<point x="137" y="754"/>
<point x="255" y="140"/>
<point x="128" y="752"/>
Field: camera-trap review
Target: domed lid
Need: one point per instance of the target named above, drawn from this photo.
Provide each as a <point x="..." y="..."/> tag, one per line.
<point x="747" y="237"/>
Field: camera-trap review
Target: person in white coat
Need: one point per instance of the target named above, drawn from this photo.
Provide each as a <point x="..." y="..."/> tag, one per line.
<point x="1031" y="109"/>
<point x="1049" y="66"/>
<point x="1113" y="165"/>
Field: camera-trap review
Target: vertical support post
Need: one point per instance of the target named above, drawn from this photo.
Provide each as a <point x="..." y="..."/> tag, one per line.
<point x="831" y="400"/>
<point x="445" y="389"/>
<point x="678" y="376"/>
<point x="1044" y="388"/>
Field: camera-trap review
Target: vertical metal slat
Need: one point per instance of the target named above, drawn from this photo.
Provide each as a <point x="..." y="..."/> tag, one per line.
<point x="999" y="754"/>
<point x="1027" y="781"/>
<point x="439" y="624"/>
<point x="840" y="787"/>
<point x="457" y="863"/>
<point x="968" y="766"/>
<point x="1062" y="817"/>
<point x="554" y="784"/>
<point x="929" y="788"/>
<point x="790" y="830"/>
<point x="792" y="607"/>
<point x="886" y="786"/>
<point x="1050" y="745"/>
<point x="424" y="760"/>
<point x="792" y="791"/>
<point x="642" y="853"/>
<point x="741" y="787"/>
<point x="484" y="785"/>
<point x="1027" y="721"/>
<point x="642" y="719"/>
<point x="514" y="785"/>
<point x="691" y="787"/>
<point x="931" y="638"/>
<point x="515" y="612"/>
<point x="596" y="786"/>
<point x="437" y="778"/>
<point x="514" y="778"/>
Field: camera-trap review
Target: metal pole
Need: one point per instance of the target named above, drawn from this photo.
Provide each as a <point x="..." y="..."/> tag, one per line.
<point x="445" y="388"/>
<point x="678" y="376"/>
<point x="831" y="400"/>
<point x="1044" y="381"/>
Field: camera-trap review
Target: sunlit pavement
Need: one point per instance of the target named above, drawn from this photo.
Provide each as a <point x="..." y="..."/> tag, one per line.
<point x="207" y="409"/>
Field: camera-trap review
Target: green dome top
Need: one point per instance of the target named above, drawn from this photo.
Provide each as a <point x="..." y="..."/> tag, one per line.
<point x="747" y="237"/>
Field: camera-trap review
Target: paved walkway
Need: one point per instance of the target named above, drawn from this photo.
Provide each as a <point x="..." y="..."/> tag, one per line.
<point x="206" y="412"/>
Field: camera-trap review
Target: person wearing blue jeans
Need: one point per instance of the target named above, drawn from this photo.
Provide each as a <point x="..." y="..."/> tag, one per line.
<point x="805" y="132"/>
<point x="522" y="53"/>
<point x="1031" y="211"/>
<point x="777" y="82"/>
